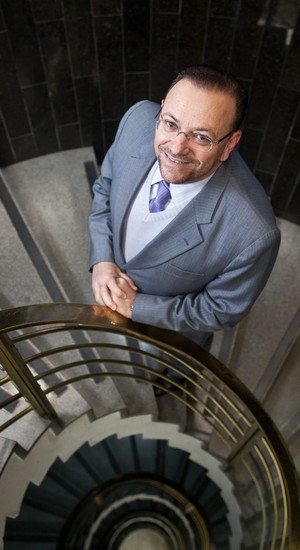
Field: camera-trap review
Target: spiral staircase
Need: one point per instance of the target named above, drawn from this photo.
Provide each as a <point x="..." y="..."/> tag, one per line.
<point x="89" y="457"/>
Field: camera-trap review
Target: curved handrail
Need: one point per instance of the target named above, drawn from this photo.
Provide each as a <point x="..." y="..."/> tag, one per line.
<point x="248" y="437"/>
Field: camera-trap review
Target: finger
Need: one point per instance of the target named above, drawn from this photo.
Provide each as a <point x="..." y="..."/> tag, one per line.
<point x="128" y="280"/>
<point x="98" y="297"/>
<point x="97" y="294"/>
<point x="122" y="283"/>
<point x="100" y="302"/>
<point x="106" y="298"/>
<point x="117" y="291"/>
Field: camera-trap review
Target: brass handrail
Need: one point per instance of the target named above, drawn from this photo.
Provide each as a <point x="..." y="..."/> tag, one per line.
<point x="16" y="368"/>
<point x="249" y="439"/>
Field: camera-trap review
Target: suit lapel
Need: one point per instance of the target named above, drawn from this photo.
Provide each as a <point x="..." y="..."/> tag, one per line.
<point x="130" y="179"/>
<point x="184" y="232"/>
<point x="169" y="243"/>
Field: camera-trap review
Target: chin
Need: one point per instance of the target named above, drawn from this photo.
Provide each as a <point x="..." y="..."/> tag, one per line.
<point x="173" y="178"/>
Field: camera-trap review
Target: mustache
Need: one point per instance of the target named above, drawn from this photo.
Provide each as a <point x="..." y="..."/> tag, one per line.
<point x="179" y="158"/>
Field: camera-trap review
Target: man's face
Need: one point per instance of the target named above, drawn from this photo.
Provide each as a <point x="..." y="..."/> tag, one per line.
<point x="194" y="109"/>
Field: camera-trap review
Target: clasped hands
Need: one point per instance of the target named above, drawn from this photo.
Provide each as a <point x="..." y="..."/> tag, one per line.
<point x="113" y="289"/>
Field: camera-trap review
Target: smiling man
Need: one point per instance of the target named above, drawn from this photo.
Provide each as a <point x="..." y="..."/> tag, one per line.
<point x="182" y="234"/>
<point x="205" y="114"/>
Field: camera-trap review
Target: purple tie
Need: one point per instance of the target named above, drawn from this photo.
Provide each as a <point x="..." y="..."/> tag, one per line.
<point x="163" y="196"/>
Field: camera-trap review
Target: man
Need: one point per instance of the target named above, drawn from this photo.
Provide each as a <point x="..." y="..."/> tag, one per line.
<point x="198" y="265"/>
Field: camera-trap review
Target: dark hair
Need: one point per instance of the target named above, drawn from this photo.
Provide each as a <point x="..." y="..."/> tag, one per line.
<point x="214" y="78"/>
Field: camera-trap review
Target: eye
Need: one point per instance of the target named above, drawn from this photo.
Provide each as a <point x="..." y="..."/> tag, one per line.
<point x="201" y="138"/>
<point x="169" y="124"/>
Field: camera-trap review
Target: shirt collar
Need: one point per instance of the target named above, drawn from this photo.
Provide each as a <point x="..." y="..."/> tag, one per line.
<point x="177" y="190"/>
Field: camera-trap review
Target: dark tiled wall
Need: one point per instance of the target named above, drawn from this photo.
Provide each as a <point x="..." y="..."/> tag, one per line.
<point x="70" y="68"/>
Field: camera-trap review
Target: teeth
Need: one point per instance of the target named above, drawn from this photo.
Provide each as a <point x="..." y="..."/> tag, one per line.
<point x="175" y="160"/>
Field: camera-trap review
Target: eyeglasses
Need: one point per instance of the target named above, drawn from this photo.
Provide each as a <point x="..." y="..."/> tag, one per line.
<point x="201" y="140"/>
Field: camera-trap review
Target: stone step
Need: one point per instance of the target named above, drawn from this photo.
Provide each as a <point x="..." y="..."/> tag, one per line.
<point x="20" y="282"/>
<point x="53" y="194"/>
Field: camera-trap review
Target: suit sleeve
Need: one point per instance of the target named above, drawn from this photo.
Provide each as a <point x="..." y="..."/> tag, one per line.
<point x="100" y="226"/>
<point x="223" y="302"/>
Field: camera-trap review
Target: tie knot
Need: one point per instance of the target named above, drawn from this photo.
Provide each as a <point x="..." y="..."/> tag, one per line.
<point x="163" y="196"/>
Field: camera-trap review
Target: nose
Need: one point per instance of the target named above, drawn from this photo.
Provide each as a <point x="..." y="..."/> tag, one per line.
<point x="181" y="132"/>
<point x="180" y="142"/>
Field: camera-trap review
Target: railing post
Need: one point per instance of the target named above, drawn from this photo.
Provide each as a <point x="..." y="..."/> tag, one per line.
<point x="246" y="442"/>
<point x="18" y="370"/>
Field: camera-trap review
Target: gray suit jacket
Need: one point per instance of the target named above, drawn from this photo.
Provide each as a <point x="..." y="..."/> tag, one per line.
<point x="204" y="271"/>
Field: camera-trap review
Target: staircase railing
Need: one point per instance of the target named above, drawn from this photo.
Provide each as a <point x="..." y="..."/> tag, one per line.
<point x="45" y="348"/>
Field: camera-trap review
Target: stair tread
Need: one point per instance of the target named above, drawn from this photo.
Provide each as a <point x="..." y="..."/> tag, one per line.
<point x="26" y="430"/>
<point x="25" y="286"/>
<point x="6" y="448"/>
<point x="44" y="179"/>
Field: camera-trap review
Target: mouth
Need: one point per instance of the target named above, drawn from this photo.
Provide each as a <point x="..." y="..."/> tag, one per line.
<point x="176" y="160"/>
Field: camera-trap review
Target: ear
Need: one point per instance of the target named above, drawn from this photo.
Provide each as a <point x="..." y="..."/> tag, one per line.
<point x="161" y="106"/>
<point x="231" y="144"/>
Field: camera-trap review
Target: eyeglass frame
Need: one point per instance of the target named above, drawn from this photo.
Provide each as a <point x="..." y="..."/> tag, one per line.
<point x="187" y="135"/>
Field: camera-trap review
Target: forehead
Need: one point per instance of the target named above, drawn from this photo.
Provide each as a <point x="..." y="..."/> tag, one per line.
<point x="199" y="108"/>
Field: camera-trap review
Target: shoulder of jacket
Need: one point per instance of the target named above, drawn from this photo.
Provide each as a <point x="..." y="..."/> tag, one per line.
<point x="140" y="115"/>
<point x="143" y="109"/>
